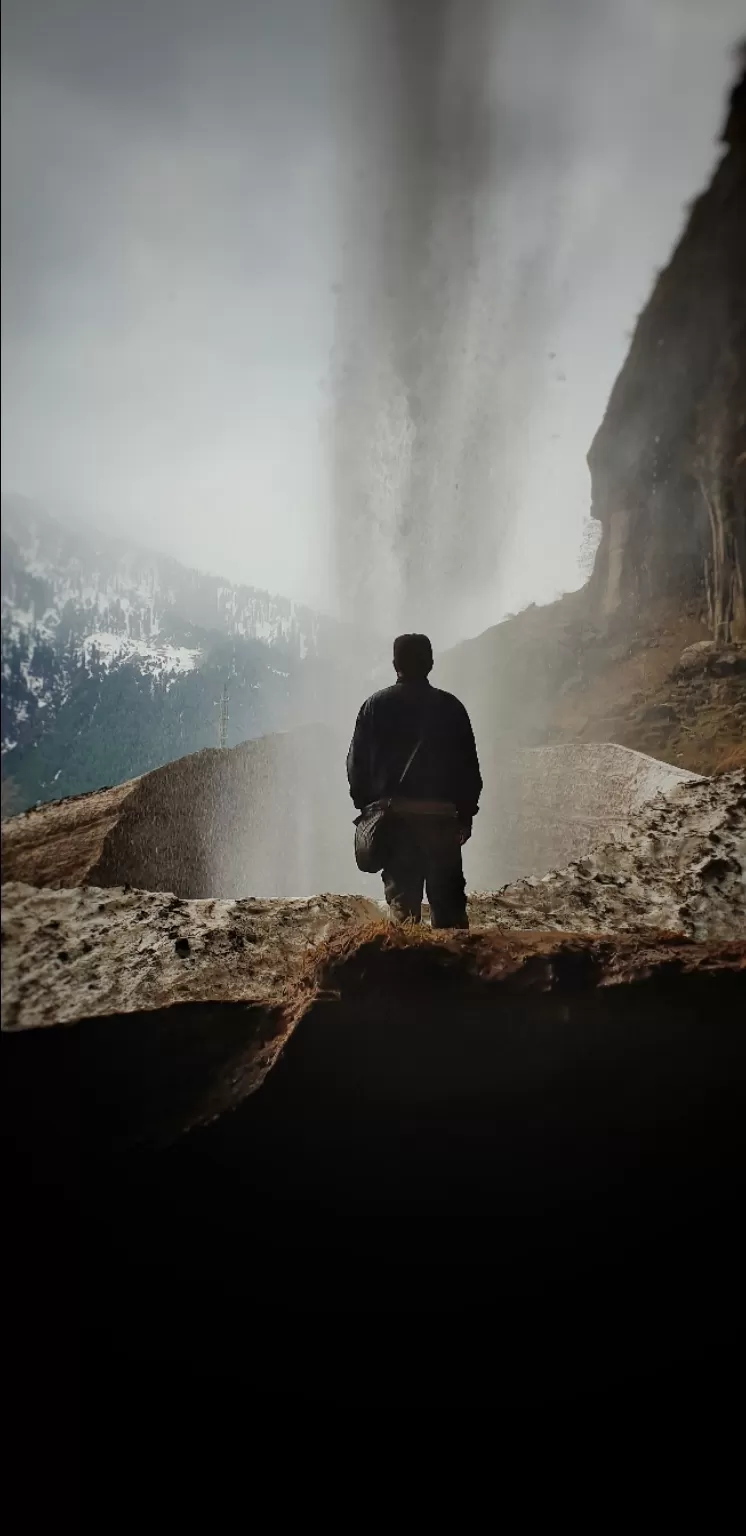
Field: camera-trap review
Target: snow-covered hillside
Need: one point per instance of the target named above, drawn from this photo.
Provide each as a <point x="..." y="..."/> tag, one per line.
<point x="58" y="579"/>
<point x="114" y="659"/>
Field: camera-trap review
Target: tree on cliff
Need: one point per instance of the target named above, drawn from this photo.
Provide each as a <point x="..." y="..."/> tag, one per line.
<point x="720" y="468"/>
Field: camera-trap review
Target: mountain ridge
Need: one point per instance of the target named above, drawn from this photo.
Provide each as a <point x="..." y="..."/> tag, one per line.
<point x="109" y="575"/>
<point x="115" y="658"/>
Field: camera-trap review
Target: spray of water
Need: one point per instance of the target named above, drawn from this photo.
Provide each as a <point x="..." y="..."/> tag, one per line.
<point x="432" y="301"/>
<point x="467" y="218"/>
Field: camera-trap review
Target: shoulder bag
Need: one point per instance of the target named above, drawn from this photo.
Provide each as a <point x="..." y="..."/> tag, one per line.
<point x="372" y="825"/>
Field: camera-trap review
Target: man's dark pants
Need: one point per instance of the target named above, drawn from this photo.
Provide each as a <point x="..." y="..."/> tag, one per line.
<point x="425" y="851"/>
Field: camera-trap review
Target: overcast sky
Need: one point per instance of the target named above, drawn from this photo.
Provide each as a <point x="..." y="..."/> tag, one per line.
<point x="176" y="227"/>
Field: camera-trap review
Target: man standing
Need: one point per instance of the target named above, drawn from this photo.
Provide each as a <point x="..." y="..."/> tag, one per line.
<point x="413" y="747"/>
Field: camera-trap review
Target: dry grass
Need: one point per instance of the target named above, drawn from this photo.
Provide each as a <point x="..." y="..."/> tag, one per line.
<point x="734" y="758"/>
<point x="537" y="960"/>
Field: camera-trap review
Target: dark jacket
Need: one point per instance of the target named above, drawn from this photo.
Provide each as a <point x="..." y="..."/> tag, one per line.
<point x="388" y="726"/>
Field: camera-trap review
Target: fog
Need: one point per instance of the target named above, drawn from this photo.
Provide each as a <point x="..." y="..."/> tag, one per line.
<point x="523" y="177"/>
<point x="329" y="297"/>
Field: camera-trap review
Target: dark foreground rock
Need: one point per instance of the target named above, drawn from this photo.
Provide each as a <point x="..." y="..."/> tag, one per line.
<point x="502" y="1163"/>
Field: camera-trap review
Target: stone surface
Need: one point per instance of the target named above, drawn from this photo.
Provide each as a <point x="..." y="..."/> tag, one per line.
<point x="679" y="864"/>
<point x="551" y="804"/>
<point x="87" y="952"/>
<point x="708" y="656"/>
<point x="697" y="656"/>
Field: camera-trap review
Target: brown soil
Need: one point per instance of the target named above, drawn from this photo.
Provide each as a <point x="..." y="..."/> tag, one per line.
<point x="643" y="701"/>
<point x="557" y="674"/>
<point x="736" y="758"/>
<point x="63" y="842"/>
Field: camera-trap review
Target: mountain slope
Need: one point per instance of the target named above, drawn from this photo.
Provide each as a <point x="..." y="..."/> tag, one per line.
<point x="58" y="579"/>
<point x="114" y="659"/>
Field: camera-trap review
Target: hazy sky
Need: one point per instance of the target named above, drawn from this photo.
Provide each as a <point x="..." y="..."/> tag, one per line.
<point x="173" y="219"/>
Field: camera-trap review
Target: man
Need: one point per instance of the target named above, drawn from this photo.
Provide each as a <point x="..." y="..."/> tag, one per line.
<point x="414" y="744"/>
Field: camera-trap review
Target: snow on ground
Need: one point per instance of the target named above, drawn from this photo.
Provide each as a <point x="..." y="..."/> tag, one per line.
<point x="160" y="660"/>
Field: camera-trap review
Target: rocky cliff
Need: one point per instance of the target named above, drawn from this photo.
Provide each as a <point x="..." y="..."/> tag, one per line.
<point x="651" y="652"/>
<point x="668" y="463"/>
<point x="651" y="679"/>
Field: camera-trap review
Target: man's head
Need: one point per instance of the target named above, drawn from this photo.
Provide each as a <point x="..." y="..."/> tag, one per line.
<point x="413" y="657"/>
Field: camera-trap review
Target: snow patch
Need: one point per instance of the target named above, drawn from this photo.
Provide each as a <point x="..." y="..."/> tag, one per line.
<point x="109" y="650"/>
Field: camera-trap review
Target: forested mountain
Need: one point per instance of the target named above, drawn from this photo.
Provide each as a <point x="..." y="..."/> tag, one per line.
<point x="114" y="659"/>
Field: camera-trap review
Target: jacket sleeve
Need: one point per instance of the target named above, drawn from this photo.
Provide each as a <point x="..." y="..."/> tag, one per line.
<point x="468" y="786"/>
<point x="358" y="762"/>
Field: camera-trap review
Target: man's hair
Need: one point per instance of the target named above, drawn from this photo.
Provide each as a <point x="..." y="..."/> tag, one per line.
<point x="413" y="655"/>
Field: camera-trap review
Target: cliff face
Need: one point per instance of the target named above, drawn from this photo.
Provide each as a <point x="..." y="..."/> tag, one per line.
<point x="650" y="654"/>
<point x="668" y="463"/>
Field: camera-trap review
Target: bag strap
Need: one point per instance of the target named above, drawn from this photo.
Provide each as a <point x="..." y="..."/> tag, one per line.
<point x="418" y="744"/>
<point x="410" y="761"/>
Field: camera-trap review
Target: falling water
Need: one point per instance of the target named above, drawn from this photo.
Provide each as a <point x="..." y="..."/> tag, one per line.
<point x="431" y="302"/>
<point x="469" y="201"/>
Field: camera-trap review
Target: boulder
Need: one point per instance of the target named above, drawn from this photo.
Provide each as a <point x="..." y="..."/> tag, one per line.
<point x="709" y="656"/>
